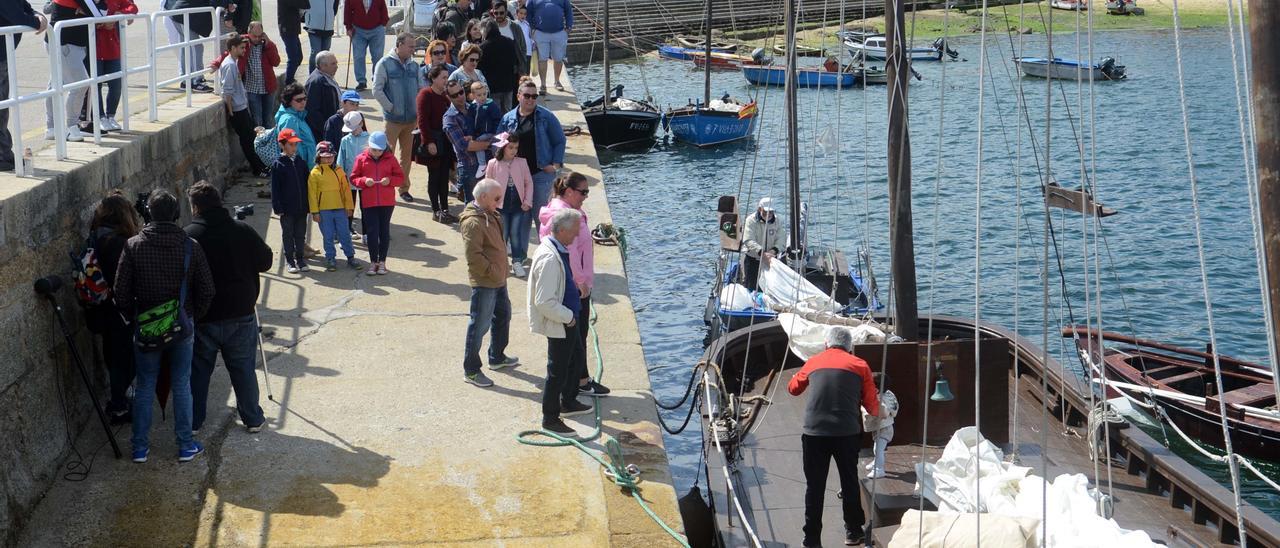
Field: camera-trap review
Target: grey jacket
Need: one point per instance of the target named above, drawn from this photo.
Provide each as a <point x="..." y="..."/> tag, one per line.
<point x="760" y="235"/>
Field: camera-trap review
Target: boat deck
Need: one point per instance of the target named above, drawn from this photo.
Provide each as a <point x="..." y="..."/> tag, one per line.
<point x="772" y="480"/>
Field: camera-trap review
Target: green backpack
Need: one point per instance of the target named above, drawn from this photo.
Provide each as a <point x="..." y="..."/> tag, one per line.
<point x="166" y="323"/>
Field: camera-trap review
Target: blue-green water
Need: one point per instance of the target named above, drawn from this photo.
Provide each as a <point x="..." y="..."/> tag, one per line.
<point x="665" y="199"/>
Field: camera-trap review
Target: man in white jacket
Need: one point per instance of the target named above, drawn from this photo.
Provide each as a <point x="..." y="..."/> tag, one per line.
<point x="760" y="241"/>
<point x="553" y="301"/>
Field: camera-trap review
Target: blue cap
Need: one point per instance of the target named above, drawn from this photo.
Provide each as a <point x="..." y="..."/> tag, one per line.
<point x="351" y="96"/>
<point x="378" y="140"/>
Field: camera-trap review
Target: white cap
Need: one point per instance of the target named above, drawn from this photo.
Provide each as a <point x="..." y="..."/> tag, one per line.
<point x="351" y="121"/>
<point x="766" y="204"/>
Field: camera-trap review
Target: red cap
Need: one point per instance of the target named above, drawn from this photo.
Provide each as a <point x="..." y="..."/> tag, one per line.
<point x="288" y="136"/>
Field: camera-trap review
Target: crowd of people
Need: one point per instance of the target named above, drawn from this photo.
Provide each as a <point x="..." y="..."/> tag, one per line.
<point x="468" y="112"/>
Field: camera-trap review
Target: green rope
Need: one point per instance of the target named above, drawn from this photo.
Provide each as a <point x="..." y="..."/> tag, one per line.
<point x="616" y="468"/>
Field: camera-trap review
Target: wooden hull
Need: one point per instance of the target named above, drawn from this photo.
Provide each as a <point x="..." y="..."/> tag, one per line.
<point x="721" y="60"/>
<point x="806" y="78"/>
<point x="615" y="129"/>
<point x="703" y="128"/>
<point x="801" y="51"/>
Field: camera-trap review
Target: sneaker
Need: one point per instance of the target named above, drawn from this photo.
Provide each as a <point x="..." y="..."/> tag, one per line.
<point x="255" y="429"/>
<point x="557" y="426"/>
<point x="509" y="361"/>
<point x="109" y="123"/>
<point x="875" y="474"/>
<point x="304" y="268"/>
<point x="382" y="269"/>
<point x="121" y="416"/>
<point x="408" y="198"/>
<point x="574" y="407"/>
<point x="264" y="173"/>
<point x="478" y="379"/>
<point x="292" y="269"/>
<point x="853" y="538"/>
<point x="140" y="455"/>
<point x="527" y="262"/>
<point x="74" y="135"/>
<point x="354" y="263"/>
<point x="518" y="269"/>
<point x="593" y="389"/>
<point x="331" y="266"/>
<point x="361" y="86"/>
<point x="373" y="270"/>
<point x="201" y="87"/>
<point x="190" y="452"/>
<point x="355" y="236"/>
<point x="447" y="218"/>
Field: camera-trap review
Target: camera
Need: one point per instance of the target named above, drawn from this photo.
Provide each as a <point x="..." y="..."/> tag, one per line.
<point x="141" y="206"/>
<point x="242" y="211"/>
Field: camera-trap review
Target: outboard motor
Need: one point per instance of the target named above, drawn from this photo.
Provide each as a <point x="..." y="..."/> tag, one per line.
<point x="1110" y="69"/>
<point x="758" y="56"/>
<point x="941" y="46"/>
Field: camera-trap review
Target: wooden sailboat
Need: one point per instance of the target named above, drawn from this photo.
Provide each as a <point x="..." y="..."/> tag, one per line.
<point x="616" y="122"/>
<point x="710" y="122"/>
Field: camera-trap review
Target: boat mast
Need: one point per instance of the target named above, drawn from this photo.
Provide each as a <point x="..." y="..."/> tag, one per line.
<point x="1265" y="70"/>
<point x="793" y="146"/>
<point x="607" y="92"/>
<point x="901" y="245"/>
<point x="706" y="62"/>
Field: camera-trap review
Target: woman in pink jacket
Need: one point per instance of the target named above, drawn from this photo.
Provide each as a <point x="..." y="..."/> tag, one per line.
<point x="570" y="192"/>
<point x="378" y="175"/>
<point x="513" y="172"/>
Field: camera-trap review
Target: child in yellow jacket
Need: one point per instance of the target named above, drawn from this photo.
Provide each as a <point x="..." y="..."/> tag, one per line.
<point x="329" y="195"/>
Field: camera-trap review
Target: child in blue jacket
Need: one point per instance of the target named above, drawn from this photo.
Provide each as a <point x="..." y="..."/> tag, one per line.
<point x="485" y="115"/>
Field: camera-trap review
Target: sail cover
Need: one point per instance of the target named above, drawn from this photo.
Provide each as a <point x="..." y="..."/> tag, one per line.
<point x="785" y="288"/>
<point x="806" y="339"/>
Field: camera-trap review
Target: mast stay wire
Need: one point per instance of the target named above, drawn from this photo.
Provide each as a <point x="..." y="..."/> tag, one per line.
<point x="1204" y="282"/>
<point x="977" y="274"/>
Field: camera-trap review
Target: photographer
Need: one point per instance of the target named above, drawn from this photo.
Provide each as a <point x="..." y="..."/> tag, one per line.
<point x="236" y="256"/>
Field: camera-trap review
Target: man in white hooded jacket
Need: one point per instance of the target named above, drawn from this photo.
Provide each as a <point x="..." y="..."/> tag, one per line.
<point x="553" y="301"/>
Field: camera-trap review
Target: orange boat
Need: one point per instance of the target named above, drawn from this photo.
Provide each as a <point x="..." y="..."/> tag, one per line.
<point x="721" y="60"/>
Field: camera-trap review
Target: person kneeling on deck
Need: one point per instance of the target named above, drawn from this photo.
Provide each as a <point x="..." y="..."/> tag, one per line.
<point x="553" y="310"/>
<point x="833" y="428"/>
<point x="759" y="241"/>
<point x="487" y="269"/>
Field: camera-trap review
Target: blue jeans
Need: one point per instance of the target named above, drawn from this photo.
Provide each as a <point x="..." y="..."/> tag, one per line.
<point x="515" y="225"/>
<point x="467" y="181"/>
<point x="237" y="339"/>
<point x="490" y="308"/>
<point x="319" y="42"/>
<point x="293" y="49"/>
<point x="178" y="358"/>
<point x="333" y="223"/>
<point x="542" y="182"/>
<point x="260" y="110"/>
<point x="373" y="40"/>
<point x="112" y="104"/>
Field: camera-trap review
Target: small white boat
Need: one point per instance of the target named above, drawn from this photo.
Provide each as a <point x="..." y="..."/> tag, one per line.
<point x="1069" y="69"/>
<point x="873" y="47"/>
<point x="1069" y="4"/>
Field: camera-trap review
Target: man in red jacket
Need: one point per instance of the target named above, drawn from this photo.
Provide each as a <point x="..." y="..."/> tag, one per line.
<point x="367" y="26"/>
<point x="841" y="384"/>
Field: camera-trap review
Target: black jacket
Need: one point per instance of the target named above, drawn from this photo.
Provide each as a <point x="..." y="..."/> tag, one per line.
<point x="236" y="255"/>
<point x="289" y="186"/>
<point x="108" y="245"/>
<point x="77" y="35"/>
<point x="289" y="16"/>
<point x="323" y="100"/>
<point x="150" y="272"/>
<point x="499" y="62"/>
<point x="16" y="12"/>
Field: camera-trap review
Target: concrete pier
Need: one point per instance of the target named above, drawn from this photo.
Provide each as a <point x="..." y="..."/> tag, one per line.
<point x="373" y="437"/>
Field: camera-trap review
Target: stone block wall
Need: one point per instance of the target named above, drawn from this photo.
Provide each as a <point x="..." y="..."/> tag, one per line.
<point x="43" y="401"/>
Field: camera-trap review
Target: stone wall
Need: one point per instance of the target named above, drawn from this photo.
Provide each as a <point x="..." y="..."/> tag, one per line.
<point x="42" y="397"/>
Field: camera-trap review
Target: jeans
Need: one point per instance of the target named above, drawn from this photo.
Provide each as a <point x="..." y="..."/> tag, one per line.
<point x="112" y="104"/>
<point x="237" y="339"/>
<point x="292" y="49"/>
<point x="817" y="454"/>
<point x="333" y="223"/>
<point x="242" y="124"/>
<point x="515" y="225"/>
<point x="178" y="358"/>
<point x="542" y="182"/>
<point x="6" y="138"/>
<point x="490" y="308"/>
<point x="467" y="181"/>
<point x="563" y="356"/>
<point x="260" y="111"/>
<point x="319" y="42"/>
<point x="373" y="40"/>
<point x="438" y="187"/>
<point x="72" y="71"/>
<point x="376" y="222"/>
<point x="117" y="351"/>
<point x="293" y="228"/>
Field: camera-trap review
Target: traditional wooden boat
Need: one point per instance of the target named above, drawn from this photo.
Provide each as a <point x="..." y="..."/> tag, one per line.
<point x="768" y="75"/>
<point x="616" y="122"/>
<point x="682" y="53"/>
<point x="1181" y="382"/>
<point x="721" y="60"/>
<point x="802" y="51"/>
<point x="1069" y="69"/>
<point x="711" y="122"/>
<point x="699" y="43"/>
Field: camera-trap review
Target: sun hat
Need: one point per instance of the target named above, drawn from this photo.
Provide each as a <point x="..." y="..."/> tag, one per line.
<point x="288" y="136"/>
<point x="351" y="121"/>
<point x="351" y="96"/>
<point x="378" y="140"/>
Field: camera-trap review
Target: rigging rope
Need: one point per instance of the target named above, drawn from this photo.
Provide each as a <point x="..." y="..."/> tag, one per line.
<point x="977" y="275"/>
<point x="1204" y="279"/>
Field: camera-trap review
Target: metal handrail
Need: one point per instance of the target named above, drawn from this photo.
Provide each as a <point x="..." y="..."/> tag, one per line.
<point x="184" y="48"/>
<point x="14" y="102"/>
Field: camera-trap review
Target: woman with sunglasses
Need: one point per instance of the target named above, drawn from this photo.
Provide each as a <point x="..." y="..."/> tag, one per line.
<point x="437" y="56"/>
<point x="469" y="72"/>
<point x="571" y="192"/>
<point x="293" y="115"/>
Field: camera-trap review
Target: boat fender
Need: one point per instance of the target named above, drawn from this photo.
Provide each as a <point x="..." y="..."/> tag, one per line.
<point x="699" y="525"/>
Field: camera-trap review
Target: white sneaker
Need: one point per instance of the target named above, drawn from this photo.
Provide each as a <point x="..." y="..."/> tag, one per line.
<point x="74" y="135"/>
<point x="875" y="474"/>
<point x="48" y="135"/>
<point x="518" y="269"/>
<point x="109" y="124"/>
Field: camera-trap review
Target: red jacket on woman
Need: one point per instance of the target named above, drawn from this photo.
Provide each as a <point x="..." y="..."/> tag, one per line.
<point x="108" y="39"/>
<point x="270" y="60"/>
<point x="367" y="170"/>
<point x="431" y="109"/>
<point x="354" y="14"/>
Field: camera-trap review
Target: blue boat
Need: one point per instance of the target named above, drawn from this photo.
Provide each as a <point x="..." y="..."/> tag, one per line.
<point x="705" y="127"/>
<point x="806" y="78"/>
<point x="687" y="54"/>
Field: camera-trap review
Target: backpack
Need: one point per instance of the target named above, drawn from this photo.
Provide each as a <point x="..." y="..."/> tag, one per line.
<point x="89" y="281"/>
<point x="266" y="146"/>
<point x="160" y="326"/>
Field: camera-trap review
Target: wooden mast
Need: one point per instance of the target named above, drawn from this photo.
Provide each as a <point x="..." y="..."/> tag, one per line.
<point x="706" y="62"/>
<point x="1264" y="15"/>
<point x="901" y="245"/>
<point x="796" y="252"/>
<point x="605" y="105"/>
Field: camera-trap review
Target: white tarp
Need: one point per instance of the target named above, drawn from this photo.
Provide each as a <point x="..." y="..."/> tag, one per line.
<point x="807" y="339"/>
<point x="1011" y="490"/>
<point x="784" y="287"/>
<point x="737" y="297"/>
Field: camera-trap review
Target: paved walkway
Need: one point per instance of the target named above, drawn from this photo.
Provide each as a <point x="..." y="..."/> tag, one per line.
<point x="372" y="437"/>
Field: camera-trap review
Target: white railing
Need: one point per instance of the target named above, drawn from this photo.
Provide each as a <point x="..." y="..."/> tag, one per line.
<point x="184" y="49"/>
<point x="15" y="101"/>
<point x="60" y="88"/>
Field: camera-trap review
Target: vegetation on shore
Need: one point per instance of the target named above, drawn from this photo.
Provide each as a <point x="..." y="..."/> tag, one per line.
<point x="930" y="24"/>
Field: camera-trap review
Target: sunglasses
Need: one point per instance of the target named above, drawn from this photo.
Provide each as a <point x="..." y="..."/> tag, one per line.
<point x="583" y="191"/>
<point x="529" y="95"/>
<point x="437" y="52"/>
<point x="473" y="59"/>
<point x="452" y="95"/>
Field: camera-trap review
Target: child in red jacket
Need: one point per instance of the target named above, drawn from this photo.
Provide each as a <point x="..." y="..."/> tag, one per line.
<point x="377" y="175"/>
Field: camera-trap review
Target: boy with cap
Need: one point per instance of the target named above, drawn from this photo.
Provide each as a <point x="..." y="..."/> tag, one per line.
<point x="333" y="125"/>
<point x="331" y="205"/>
<point x="289" y="200"/>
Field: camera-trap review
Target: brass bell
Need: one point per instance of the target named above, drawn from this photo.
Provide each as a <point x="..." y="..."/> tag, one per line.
<point x="941" y="388"/>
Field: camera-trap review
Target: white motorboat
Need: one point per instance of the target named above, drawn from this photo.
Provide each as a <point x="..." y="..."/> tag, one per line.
<point x="873" y="47"/>
<point x="1070" y="69"/>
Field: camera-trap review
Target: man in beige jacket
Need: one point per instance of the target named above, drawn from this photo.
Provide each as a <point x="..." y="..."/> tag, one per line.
<point x="553" y="305"/>
<point x="487" y="269"/>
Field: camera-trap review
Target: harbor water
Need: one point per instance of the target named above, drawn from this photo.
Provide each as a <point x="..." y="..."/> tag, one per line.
<point x="1128" y="133"/>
